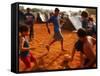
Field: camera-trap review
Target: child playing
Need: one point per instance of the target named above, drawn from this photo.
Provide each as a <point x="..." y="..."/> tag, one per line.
<point x="55" y="19"/>
<point x="25" y="54"/>
<point x="84" y="19"/>
<point x="85" y="46"/>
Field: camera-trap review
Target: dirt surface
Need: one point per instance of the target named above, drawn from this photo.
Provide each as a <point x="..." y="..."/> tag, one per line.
<point x="55" y="58"/>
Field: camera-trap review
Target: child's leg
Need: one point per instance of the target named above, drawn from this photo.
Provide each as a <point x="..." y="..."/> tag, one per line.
<point x="31" y="31"/>
<point x="81" y="60"/>
<point x="33" y="59"/>
<point x="48" y="46"/>
<point x="62" y="45"/>
<point x="52" y="42"/>
<point x="26" y="61"/>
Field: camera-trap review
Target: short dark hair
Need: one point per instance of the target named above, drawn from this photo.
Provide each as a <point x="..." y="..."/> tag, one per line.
<point x="81" y="32"/>
<point x="23" y="29"/>
<point x="28" y="9"/>
<point x="84" y="14"/>
<point x="57" y="9"/>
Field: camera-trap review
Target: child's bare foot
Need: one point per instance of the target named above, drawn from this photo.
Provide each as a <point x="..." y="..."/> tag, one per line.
<point x="48" y="48"/>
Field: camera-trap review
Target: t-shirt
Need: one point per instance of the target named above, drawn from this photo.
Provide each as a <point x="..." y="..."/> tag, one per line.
<point x="29" y="18"/>
<point x="85" y="23"/>
<point x="56" y="21"/>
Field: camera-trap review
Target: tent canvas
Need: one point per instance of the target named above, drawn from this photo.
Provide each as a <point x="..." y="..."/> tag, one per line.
<point x="72" y="23"/>
<point x="42" y="16"/>
<point x="76" y="22"/>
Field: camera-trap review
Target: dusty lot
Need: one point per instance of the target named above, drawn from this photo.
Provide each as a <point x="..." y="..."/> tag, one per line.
<point x="53" y="59"/>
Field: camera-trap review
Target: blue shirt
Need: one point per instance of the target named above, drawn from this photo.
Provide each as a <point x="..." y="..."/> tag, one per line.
<point x="55" y="21"/>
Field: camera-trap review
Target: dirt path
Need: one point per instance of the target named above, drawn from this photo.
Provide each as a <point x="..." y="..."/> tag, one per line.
<point x="53" y="59"/>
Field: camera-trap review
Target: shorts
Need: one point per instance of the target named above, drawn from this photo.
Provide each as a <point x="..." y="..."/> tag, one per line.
<point x="27" y="60"/>
<point x="58" y="36"/>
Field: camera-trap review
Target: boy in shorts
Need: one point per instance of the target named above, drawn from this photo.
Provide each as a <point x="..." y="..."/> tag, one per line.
<point x="55" y="19"/>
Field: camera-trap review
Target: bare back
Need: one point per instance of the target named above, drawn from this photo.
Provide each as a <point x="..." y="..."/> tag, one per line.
<point x="88" y="47"/>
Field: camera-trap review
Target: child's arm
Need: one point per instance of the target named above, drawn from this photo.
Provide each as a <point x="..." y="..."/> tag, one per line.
<point x="24" y="48"/>
<point x="62" y="21"/>
<point x="47" y="28"/>
<point x="22" y="44"/>
<point x="94" y="41"/>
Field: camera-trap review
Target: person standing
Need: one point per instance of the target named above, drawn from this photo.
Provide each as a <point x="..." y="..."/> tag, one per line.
<point x="29" y="20"/>
<point x="84" y="17"/>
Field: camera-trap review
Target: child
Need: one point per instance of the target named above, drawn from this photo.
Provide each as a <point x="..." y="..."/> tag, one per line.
<point x="29" y="20"/>
<point x="84" y="19"/>
<point x="91" y="26"/>
<point x="57" y="29"/>
<point x="85" y="46"/>
<point x="25" y="54"/>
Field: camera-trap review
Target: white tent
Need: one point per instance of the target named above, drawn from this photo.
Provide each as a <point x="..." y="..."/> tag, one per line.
<point x="42" y="16"/>
<point x="72" y="23"/>
<point x="76" y="22"/>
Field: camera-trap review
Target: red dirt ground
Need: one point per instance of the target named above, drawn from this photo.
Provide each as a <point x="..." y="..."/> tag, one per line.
<point x="53" y="59"/>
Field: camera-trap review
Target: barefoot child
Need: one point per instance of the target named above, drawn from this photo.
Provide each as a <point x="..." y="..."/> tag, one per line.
<point x="25" y="54"/>
<point x="85" y="46"/>
<point x="55" y="19"/>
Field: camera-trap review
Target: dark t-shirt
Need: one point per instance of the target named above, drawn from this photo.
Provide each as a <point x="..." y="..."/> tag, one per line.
<point x="85" y="23"/>
<point x="29" y="18"/>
